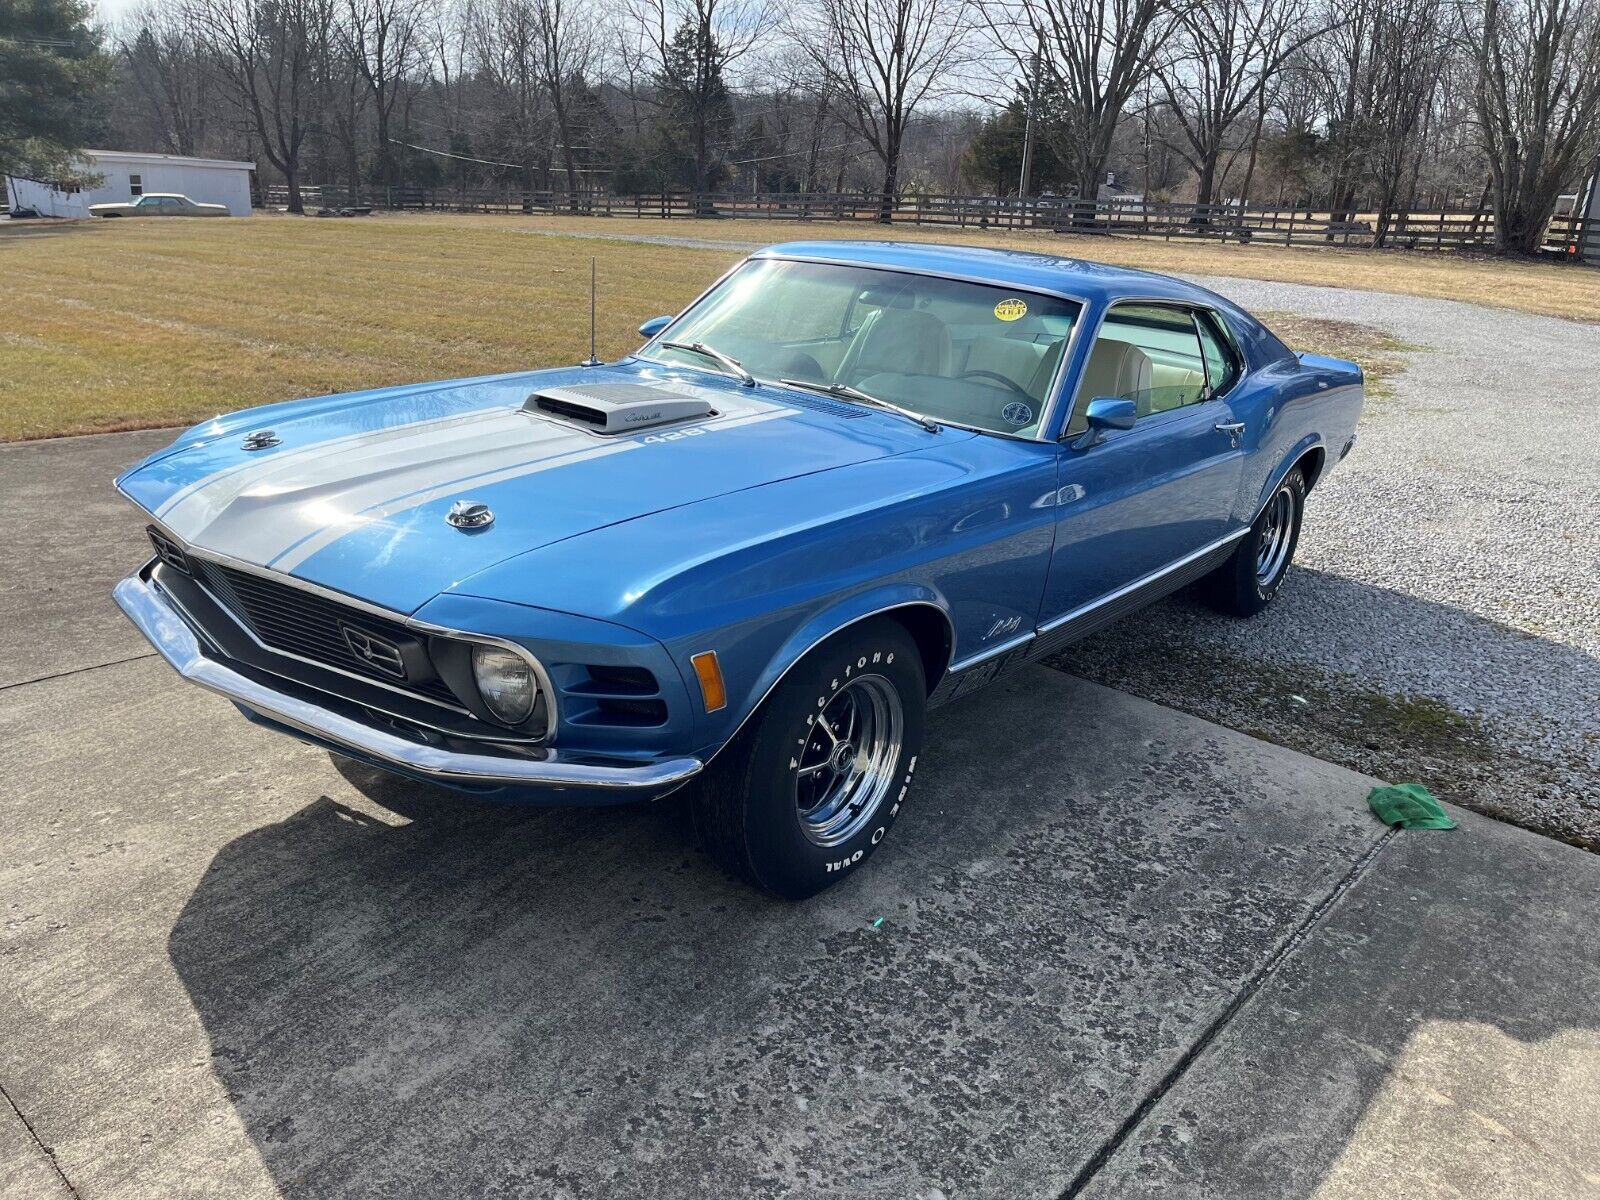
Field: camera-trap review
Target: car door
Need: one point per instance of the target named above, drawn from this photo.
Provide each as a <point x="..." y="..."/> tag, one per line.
<point x="1133" y="504"/>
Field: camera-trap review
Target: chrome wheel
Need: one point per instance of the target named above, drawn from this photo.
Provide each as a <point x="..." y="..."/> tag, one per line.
<point x="1277" y="536"/>
<point x="848" y="764"/>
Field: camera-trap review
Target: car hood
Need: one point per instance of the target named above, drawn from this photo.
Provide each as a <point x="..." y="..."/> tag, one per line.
<point x="355" y="492"/>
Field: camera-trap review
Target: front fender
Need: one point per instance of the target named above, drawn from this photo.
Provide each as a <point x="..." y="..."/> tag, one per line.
<point x="569" y="648"/>
<point x="764" y="657"/>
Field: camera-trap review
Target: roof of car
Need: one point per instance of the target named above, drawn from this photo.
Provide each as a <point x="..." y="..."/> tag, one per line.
<point x="1027" y="269"/>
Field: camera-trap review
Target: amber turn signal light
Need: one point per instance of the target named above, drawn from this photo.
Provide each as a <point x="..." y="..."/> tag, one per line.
<point x="712" y="692"/>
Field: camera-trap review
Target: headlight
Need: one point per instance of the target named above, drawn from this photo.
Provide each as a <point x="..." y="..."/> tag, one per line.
<point x="506" y="682"/>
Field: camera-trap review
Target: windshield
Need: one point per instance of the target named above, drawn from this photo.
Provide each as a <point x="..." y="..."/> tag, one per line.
<point x="968" y="353"/>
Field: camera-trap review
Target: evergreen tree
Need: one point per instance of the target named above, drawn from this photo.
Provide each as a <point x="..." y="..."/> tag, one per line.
<point x="697" y="113"/>
<point x="994" y="156"/>
<point x="52" y="76"/>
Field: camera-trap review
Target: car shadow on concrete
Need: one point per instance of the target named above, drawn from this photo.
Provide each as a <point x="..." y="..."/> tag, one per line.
<point x="408" y="993"/>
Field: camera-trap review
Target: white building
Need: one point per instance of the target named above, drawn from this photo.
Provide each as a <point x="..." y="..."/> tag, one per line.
<point x="128" y="175"/>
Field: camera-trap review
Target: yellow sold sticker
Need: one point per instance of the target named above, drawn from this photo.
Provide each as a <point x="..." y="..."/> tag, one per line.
<point x="1011" y="310"/>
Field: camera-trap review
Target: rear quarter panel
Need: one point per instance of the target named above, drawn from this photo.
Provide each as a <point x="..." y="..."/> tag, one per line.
<point x="1293" y="407"/>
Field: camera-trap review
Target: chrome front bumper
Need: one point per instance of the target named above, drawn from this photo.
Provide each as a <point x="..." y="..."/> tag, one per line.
<point x="169" y="633"/>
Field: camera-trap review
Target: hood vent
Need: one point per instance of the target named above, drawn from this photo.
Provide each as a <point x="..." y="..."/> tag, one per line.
<point x="613" y="408"/>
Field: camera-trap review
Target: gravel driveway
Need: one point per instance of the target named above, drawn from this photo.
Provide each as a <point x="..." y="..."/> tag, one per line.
<point x="1443" y="624"/>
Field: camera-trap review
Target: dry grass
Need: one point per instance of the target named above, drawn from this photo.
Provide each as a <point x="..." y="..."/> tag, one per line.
<point x="131" y="324"/>
<point x="121" y="325"/>
<point x="1378" y="353"/>
<point x="1546" y="288"/>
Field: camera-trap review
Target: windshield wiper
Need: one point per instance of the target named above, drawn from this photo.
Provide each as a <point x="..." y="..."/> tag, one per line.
<point x="845" y="391"/>
<point x="734" y="366"/>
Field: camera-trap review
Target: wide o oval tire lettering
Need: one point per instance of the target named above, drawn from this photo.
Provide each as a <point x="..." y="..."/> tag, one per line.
<point x="746" y="806"/>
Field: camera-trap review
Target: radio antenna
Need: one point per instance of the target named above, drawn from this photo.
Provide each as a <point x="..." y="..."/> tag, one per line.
<point x="591" y="361"/>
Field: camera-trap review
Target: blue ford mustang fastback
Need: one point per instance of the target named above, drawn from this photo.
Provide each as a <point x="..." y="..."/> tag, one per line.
<point x="850" y="482"/>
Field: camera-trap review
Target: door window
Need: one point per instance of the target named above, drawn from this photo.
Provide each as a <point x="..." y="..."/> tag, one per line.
<point x="1147" y="353"/>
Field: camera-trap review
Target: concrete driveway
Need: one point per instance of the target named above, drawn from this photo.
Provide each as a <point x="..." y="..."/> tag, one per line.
<point x="1123" y="952"/>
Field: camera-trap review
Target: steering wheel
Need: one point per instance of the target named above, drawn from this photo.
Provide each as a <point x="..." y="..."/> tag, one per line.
<point x="1012" y="384"/>
<point x="801" y="365"/>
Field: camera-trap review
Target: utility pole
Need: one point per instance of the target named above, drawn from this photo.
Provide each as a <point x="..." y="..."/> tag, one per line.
<point x="1587" y="207"/>
<point x="1027" y="129"/>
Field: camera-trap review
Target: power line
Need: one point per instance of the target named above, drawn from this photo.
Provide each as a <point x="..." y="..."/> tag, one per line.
<point x="487" y="162"/>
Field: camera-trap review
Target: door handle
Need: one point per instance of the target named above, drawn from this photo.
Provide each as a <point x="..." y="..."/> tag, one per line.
<point x="1234" y="429"/>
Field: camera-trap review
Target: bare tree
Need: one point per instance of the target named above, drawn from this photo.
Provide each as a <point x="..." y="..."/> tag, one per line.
<point x="568" y="47"/>
<point x="447" y="33"/>
<point x="1093" y="55"/>
<point x="169" y="76"/>
<point x="1223" y="57"/>
<point x="1407" y="63"/>
<point x="507" y="55"/>
<point x="383" y="39"/>
<point x="882" y="59"/>
<point x="342" y="101"/>
<point x="1538" y="104"/>
<point x="267" y="52"/>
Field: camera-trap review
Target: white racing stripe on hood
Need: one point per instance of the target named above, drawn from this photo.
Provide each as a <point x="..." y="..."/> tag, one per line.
<point x="239" y="475"/>
<point x="303" y="495"/>
<point x="294" y="555"/>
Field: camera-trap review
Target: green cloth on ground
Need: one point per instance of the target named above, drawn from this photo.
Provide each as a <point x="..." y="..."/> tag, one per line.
<point x="1408" y="805"/>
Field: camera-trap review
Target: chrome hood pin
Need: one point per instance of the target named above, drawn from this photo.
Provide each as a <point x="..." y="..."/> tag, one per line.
<point x="261" y="439"/>
<point x="470" y="514"/>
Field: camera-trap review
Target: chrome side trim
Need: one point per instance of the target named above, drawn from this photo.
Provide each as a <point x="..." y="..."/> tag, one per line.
<point x="973" y="660"/>
<point x="176" y="642"/>
<point x="1143" y="581"/>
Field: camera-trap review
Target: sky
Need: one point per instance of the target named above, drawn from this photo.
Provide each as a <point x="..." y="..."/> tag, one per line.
<point x="111" y="11"/>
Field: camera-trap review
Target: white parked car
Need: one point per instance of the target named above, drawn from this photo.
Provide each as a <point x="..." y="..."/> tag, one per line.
<point x="159" y="204"/>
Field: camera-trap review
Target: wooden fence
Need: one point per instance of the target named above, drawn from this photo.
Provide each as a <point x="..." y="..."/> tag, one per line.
<point x="1410" y="229"/>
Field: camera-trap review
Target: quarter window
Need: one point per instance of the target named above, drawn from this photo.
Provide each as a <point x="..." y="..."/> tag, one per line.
<point x="1222" y="366"/>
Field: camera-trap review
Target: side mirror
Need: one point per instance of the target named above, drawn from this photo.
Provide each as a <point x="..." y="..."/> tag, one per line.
<point x="1106" y="412"/>
<point x="654" y="326"/>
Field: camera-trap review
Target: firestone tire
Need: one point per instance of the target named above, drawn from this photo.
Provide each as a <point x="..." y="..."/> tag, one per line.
<point x="810" y="789"/>
<point x="1246" y="583"/>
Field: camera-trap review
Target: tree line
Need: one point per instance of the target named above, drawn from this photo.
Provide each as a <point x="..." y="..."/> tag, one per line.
<point x="1342" y="105"/>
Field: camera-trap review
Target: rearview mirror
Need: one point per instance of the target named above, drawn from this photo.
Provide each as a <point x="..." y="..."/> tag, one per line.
<point x="654" y="326"/>
<point x="1106" y="412"/>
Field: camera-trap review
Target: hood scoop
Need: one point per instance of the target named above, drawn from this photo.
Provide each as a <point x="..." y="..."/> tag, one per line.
<point x="614" y="408"/>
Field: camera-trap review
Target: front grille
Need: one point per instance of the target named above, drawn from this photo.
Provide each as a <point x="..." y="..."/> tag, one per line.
<point x="295" y="621"/>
